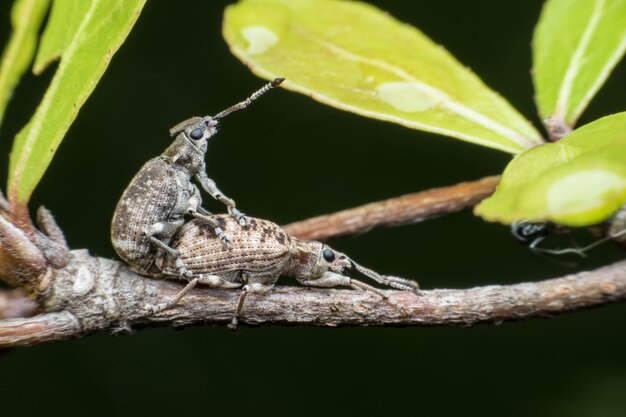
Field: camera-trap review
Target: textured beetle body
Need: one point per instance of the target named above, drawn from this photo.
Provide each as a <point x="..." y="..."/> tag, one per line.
<point x="153" y="206"/>
<point x="258" y="253"/>
<point x="160" y="194"/>
<point x="257" y="256"/>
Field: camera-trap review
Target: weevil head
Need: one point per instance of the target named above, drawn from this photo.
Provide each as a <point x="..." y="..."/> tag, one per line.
<point x="311" y="259"/>
<point x="527" y="231"/>
<point x="333" y="260"/>
<point x="191" y="141"/>
<point x="192" y="135"/>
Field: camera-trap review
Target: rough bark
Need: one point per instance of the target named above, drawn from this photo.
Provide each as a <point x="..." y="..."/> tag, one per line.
<point x="92" y="294"/>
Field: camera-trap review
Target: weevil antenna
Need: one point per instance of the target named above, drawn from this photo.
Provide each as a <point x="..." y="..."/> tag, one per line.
<point x="267" y="87"/>
<point x="388" y="280"/>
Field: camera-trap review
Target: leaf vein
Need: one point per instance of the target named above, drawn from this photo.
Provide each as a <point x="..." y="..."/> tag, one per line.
<point x="575" y="62"/>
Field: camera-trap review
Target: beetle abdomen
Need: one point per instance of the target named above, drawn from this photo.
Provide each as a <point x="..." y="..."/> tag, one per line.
<point x="260" y="247"/>
<point x="149" y="199"/>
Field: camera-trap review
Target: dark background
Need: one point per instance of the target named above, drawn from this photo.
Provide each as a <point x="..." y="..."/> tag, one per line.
<point x="288" y="158"/>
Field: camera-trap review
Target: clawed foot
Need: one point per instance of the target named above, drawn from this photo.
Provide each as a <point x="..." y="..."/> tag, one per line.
<point x="155" y="308"/>
<point x="241" y="218"/>
<point x="222" y="236"/>
<point x="182" y="270"/>
<point x="234" y="324"/>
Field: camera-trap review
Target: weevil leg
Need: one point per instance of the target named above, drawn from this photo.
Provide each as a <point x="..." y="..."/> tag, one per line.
<point x="534" y="246"/>
<point x="234" y="323"/>
<point x="333" y="279"/>
<point x="255" y="288"/>
<point x="204" y="215"/>
<point x="212" y="281"/>
<point x="210" y="187"/>
<point x="581" y="251"/>
<point x="180" y="265"/>
<point x="153" y="309"/>
<point x="168" y="229"/>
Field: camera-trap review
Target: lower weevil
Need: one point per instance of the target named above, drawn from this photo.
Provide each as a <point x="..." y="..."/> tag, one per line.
<point x="256" y="256"/>
<point x="155" y="202"/>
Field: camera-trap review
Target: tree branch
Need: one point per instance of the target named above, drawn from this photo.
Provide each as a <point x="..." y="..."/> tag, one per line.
<point x="92" y="294"/>
<point x="394" y="211"/>
<point x="47" y="327"/>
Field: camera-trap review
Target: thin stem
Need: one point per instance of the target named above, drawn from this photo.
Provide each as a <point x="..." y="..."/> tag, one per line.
<point x="409" y="208"/>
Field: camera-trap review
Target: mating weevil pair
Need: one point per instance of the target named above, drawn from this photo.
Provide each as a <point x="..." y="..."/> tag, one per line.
<point x="221" y="251"/>
<point x="153" y="206"/>
<point x="257" y="256"/>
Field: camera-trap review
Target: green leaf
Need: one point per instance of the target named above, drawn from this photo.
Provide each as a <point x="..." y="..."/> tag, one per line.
<point x="86" y="45"/>
<point x="576" y="45"/>
<point x="26" y="18"/>
<point x="65" y="19"/>
<point x="355" y="57"/>
<point x="578" y="181"/>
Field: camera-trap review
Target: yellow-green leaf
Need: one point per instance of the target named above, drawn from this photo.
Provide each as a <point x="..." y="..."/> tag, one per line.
<point x="86" y="50"/>
<point x="578" y="181"/>
<point x="65" y="19"/>
<point x="576" y="45"/>
<point x="355" y="57"/>
<point x="26" y="18"/>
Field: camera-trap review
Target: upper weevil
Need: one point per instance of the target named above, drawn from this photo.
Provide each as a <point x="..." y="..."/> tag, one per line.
<point x="257" y="256"/>
<point x="153" y="205"/>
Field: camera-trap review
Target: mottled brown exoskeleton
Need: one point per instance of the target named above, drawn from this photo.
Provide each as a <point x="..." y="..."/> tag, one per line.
<point x="257" y="255"/>
<point x="155" y="202"/>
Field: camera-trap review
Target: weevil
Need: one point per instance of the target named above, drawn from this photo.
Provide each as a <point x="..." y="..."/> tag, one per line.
<point x="532" y="233"/>
<point x="153" y="206"/>
<point x="255" y="258"/>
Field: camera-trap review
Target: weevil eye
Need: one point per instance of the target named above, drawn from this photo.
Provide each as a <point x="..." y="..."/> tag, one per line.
<point x="328" y="255"/>
<point x="196" y="134"/>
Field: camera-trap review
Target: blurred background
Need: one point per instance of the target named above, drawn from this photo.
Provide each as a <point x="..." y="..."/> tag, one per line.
<point x="288" y="158"/>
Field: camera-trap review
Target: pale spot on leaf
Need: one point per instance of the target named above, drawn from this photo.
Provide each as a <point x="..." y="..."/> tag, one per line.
<point x="409" y="97"/>
<point x="583" y="190"/>
<point x="259" y="38"/>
